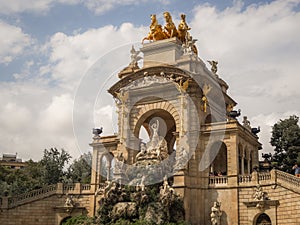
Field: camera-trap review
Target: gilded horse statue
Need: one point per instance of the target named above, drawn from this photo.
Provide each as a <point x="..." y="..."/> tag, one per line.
<point x="183" y="29"/>
<point x="170" y="28"/>
<point x="156" y="32"/>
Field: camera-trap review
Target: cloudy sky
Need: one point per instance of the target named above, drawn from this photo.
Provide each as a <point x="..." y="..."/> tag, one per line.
<point x="51" y="96"/>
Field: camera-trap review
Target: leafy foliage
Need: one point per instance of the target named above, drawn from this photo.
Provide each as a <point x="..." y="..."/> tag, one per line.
<point x="80" y="170"/>
<point x="18" y="181"/>
<point x="79" y="220"/>
<point x="286" y="140"/>
<point x="51" y="169"/>
<point x="54" y="162"/>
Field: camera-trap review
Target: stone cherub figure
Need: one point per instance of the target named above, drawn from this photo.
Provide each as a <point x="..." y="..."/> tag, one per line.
<point x="69" y="201"/>
<point x="214" y="66"/>
<point x="246" y="122"/>
<point x="216" y="213"/>
<point x="259" y="194"/>
<point x="206" y="89"/>
<point x="134" y="56"/>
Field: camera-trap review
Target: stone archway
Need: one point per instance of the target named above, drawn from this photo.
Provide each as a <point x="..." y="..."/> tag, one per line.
<point x="64" y="220"/>
<point x="106" y="167"/>
<point x="219" y="163"/>
<point x="167" y="128"/>
<point x="148" y="109"/>
<point x="262" y="219"/>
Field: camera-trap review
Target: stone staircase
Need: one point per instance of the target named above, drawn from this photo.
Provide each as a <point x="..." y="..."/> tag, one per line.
<point x="277" y="177"/>
<point x="60" y="188"/>
<point x="288" y="181"/>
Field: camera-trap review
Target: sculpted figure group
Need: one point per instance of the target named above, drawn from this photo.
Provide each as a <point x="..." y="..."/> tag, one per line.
<point x="157" y="32"/>
<point x="155" y="149"/>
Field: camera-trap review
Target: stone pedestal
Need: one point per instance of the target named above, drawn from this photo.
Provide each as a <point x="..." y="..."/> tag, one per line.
<point x="179" y="183"/>
<point x="166" y="51"/>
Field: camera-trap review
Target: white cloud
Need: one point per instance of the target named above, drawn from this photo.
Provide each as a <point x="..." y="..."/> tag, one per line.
<point x="13" y="42"/>
<point x="37" y="115"/>
<point x="71" y="56"/>
<point x="102" y="6"/>
<point x="36" y="6"/>
<point x="57" y="117"/>
<point x="257" y="49"/>
<point x="33" y="117"/>
<point x="43" y="6"/>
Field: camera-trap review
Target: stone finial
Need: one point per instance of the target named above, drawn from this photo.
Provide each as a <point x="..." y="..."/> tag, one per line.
<point x="97" y="131"/>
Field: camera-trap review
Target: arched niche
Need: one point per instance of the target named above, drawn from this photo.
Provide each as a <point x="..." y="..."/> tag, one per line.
<point x="262" y="219"/>
<point x="210" y="119"/>
<point x="219" y="163"/>
<point x="106" y="167"/>
<point x="167" y="126"/>
<point x="64" y="220"/>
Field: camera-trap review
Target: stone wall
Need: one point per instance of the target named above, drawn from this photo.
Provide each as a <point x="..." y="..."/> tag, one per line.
<point x="200" y="213"/>
<point x="46" y="211"/>
<point x="46" y="206"/>
<point x="283" y="204"/>
<point x="35" y="213"/>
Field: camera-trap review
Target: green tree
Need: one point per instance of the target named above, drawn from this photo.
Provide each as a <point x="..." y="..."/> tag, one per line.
<point x="54" y="163"/>
<point x="286" y="140"/>
<point x="18" y="181"/>
<point x="51" y="169"/>
<point x="80" y="169"/>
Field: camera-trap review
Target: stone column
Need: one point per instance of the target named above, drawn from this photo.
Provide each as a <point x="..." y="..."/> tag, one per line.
<point x="108" y="168"/>
<point x="248" y="166"/>
<point x="94" y="170"/>
<point x="243" y="162"/>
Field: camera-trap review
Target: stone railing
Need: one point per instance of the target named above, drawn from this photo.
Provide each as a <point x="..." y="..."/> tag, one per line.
<point x="217" y="180"/>
<point x="273" y="177"/>
<point x="255" y="177"/>
<point x="264" y="176"/>
<point x="245" y="178"/>
<point x="85" y="187"/>
<point x="287" y="179"/>
<point x="68" y="187"/>
<point x="32" y="195"/>
<point x="77" y="188"/>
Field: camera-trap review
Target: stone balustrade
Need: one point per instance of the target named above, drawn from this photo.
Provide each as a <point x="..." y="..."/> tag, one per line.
<point x="77" y="188"/>
<point x="85" y="187"/>
<point x="68" y="187"/>
<point x="264" y="176"/>
<point x="286" y="179"/>
<point x="275" y="176"/>
<point x="245" y="178"/>
<point x="218" y="180"/>
<point x="31" y="195"/>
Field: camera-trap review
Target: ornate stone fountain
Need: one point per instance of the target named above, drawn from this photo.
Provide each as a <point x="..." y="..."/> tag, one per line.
<point x="142" y="198"/>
